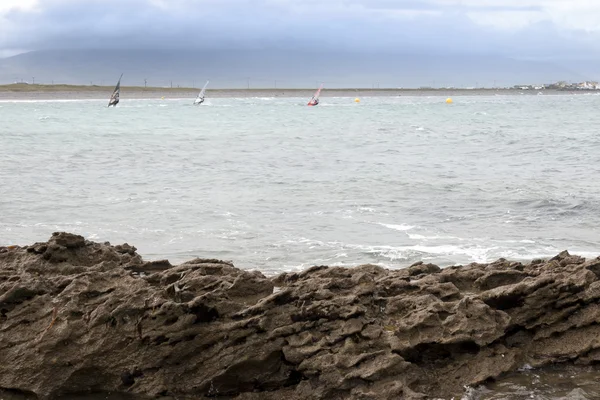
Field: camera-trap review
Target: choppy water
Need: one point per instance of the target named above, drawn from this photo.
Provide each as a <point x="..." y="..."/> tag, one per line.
<point x="273" y="184"/>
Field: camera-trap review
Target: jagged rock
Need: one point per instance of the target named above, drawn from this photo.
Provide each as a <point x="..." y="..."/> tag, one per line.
<point x="82" y="318"/>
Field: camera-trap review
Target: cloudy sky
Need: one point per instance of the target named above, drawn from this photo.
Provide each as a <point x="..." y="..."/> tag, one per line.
<point x="518" y="28"/>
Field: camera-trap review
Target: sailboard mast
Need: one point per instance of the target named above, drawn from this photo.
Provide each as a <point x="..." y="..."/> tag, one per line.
<point x="200" y="98"/>
<point x="114" y="98"/>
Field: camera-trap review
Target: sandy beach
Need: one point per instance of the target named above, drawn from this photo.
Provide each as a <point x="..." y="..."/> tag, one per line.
<point x="71" y="92"/>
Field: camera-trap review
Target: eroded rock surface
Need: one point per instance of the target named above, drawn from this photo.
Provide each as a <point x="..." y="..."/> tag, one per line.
<point x="83" y="318"/>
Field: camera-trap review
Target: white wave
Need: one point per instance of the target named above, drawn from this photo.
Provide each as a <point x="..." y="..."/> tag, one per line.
<point x="366" y="209"/>
<point x="401" y="227"/>
<point x="586" y="254"/>
<point x="229" y="235"/>
<point x="293" y="267"/>
<point x="303" y="266"/>
<point x="415" y="236"/>
<point x="545" y="253"/>
<point x="475" y="254"/>
<point x="306" y="241"/>
<point x="501" y="241"/>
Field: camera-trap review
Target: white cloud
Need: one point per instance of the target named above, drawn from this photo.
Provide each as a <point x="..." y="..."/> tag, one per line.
<point x="506" y="20"/>
<point x="8" y="5"/>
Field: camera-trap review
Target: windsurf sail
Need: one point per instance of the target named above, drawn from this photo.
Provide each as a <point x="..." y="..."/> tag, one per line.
<point x="114" y="98"/>
<point x="200" y="98"/>
<point x="315" y="99"/>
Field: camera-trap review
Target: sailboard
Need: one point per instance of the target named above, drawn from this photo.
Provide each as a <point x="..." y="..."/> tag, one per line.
<point x="200" y="98"/>
<point x="114" y="98"/>
<point x="315" y="99"/>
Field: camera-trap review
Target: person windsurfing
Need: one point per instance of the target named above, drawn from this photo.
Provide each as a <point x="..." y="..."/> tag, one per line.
<point x="200" y="99"/>
<point x="114" y="98"/>
<point x="315" y="99"/>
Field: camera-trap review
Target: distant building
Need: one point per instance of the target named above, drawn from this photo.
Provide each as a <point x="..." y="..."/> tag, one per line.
<point x="588" y="85"/>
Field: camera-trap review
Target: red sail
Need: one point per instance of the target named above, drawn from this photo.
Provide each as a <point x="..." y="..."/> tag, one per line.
<point x="315" y="99"/>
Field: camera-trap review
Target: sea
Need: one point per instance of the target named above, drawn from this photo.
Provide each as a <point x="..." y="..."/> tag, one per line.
<point x="273" y="185"/>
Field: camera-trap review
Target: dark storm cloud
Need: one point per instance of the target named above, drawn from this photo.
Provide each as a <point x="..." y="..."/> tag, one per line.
<point x="369" y="25"/>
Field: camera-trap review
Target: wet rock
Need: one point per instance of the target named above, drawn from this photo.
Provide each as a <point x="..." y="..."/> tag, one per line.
<point x="496" y="279"/>
<point x="125" y="249"/>
<point x="68" y="240"/>
<point x="421" y="269"/>
<point x="83" y="318"/>
<point x="150" y="266"/>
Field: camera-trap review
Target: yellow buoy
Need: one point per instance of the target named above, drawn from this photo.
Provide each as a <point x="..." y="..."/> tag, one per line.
<point x="449" y="100"/>
<point x="162" y="98"/>
<point x="357" y="100"/>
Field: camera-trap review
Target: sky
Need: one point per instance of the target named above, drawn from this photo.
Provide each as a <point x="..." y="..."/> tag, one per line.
<point x="536" y="29"/>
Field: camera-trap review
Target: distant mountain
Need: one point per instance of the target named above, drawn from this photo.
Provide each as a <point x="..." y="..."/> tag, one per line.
<point x="265" y="69"/>
<point x="587" y="67"/>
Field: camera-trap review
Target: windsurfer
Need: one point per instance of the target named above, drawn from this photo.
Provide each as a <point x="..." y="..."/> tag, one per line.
<point x="114" y="98"/>
<point x="315" y="99"/>
<point x="200" y="99"/>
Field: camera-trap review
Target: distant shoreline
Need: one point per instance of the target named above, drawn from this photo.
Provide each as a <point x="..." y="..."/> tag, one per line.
<point x="81" y="92"/>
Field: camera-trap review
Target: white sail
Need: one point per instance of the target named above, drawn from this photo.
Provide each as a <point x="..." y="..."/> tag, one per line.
<point x="200" y="97"/>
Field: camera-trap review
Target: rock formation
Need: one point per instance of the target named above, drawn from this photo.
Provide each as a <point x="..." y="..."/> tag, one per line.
<point x="82" y="318"/>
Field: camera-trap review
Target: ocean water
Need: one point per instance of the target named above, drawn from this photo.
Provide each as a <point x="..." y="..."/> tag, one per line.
<point x="269" y="183"/>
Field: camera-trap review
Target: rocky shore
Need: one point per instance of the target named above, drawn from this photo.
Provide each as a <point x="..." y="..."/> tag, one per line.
<point x="79" y="318"/>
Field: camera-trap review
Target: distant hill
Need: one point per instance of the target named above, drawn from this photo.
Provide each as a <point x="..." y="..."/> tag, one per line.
<point x="265" y="69"/>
